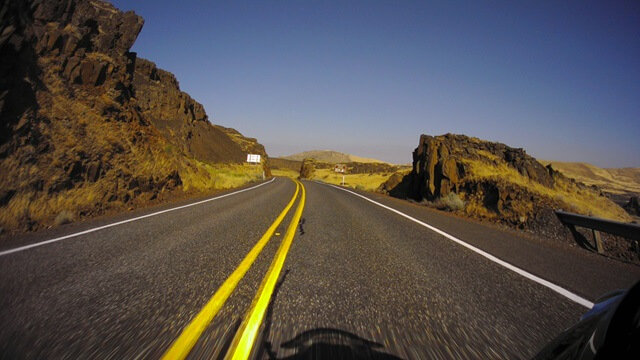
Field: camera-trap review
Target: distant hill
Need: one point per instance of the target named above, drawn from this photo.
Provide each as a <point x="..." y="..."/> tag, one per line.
<point x="620" y="184"/>
<point x="331" y="157"/>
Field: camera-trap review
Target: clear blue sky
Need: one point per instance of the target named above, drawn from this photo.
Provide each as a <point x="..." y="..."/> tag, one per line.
<point x="560" y="79"/>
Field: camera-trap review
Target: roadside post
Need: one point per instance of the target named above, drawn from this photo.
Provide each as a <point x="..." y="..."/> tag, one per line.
<point x="254" y="159"/>
<point x="340" y="168"/>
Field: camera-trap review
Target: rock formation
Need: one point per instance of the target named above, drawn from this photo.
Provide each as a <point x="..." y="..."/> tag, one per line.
<point x="496" y="181"/>
<point x="179" y="118"/>
<point x="308" y="168"/>
<point x="85" y="125"/>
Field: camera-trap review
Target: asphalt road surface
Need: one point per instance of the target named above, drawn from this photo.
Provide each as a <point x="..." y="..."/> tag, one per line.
<point x="358" y="279"/>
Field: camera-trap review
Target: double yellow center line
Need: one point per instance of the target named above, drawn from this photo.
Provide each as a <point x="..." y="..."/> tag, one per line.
<point x="246" y="335"/>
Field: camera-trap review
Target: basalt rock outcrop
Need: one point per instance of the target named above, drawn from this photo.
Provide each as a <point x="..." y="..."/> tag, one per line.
<point x="85" y="125"/>
<point x="368" y="168"/>
<point x="308" y="168"/>
<point x="182" y="120"/>
<point x="495" y="181"/>
<point x="248" y="146"/>
<point x="439" y="163"/>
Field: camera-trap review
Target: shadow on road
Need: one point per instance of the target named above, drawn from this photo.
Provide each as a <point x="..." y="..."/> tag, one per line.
<point x="319" y="343"/>
<point x="328" y="343"/>
<point x="581" y="240"/>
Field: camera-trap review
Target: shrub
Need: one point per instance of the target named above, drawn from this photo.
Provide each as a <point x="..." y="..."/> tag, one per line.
<point x="451" y="202"/>
<point x="360" y="187"/>
<point x="64" y="217"/>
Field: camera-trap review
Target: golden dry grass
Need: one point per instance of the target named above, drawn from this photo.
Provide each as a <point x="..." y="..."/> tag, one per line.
<point x="368" y="182"/>
<point x="587" y="201"/>
<point x="91" y="197"/>
<point x="614" y="181"/>
<point x="285" y="173"/>
<point x="126" y="150"/>
<point x="488" y="155"/>
<point x="204" y="177"/>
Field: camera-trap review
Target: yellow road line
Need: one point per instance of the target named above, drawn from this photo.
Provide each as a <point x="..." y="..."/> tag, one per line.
<point x="245" y="337"/>
<point x="187" y="339"/>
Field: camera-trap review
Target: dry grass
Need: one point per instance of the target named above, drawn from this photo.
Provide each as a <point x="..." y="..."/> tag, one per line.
<point x="614" y="181"/>
<point x="285" y="173"/>
<point x="127" y="150"/>
<point x="205" y="176"/>
<point x="488" y="155"/>
<point x="64" y="217"/>
<point x="100" y="57"/>
<point x="368" y="182"/>
<point x="451" y="202"/>
<point x="587" y="202"/>
<point x="40" y="208"/>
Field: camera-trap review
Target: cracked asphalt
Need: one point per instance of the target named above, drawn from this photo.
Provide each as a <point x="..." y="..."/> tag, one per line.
<point x="358" y="282"/>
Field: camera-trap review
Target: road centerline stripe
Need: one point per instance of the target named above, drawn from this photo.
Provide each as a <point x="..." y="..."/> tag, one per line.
<point x="560" y="290"/>
<point x="22" y="248"/>
<point x="245" y="337"/>
<point x="191" y="333"/>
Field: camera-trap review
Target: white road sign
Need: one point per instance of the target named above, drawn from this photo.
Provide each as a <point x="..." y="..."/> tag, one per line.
<point x="253" y="158"/>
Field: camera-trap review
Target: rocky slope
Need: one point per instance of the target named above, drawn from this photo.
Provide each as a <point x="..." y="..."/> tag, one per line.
<point x="86" y="126"/>
<point x="180" y="119"/>
<point x="496" y="182"/>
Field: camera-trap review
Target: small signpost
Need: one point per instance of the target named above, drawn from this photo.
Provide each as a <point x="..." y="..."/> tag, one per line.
<point x="254" y="159"/>
<point x="340" y="168"/>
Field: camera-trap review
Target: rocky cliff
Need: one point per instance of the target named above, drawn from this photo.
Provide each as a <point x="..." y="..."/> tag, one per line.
<point x="182" y="120"/>
<point x="85" y="125"/>
<point x="495" y="181"/>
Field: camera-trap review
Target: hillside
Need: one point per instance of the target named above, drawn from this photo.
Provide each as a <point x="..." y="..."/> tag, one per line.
<point x="88" y="127"/>
<point x="330" y="156"/>
<point x="362" y="176"/>
<point x="619" y="184"/>
<point x="282" y="163"/>
<point x="493" y="181"/>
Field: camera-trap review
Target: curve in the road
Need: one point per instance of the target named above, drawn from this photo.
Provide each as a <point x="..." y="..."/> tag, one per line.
<point x="183" y="345"/>
<point x="244" y="340"/>
<point x="26" y="247"/>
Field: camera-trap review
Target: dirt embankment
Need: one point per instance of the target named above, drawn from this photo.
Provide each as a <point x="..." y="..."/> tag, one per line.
<point x="88" y="127"/>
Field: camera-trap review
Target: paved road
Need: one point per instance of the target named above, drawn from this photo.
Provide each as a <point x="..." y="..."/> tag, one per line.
<point x="358" y="278"/>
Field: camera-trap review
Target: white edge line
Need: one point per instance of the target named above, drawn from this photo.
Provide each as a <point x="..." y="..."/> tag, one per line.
<point x="564" y="292"/>
<point x="22" y="248"/>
